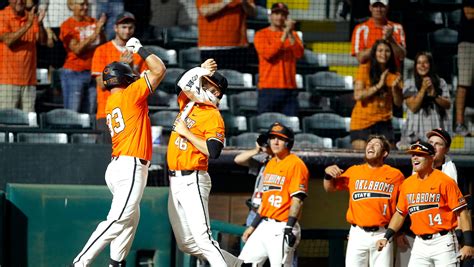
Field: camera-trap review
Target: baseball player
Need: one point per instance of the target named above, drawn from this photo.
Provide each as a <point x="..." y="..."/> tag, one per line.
<point x="255" y="159"/>
<point x="197" y="136"/>
<point x="373" y="189"/>
<point x="127" y="173"/>
<point x="433" y="200"/>
<point x="275" y="232"/>
<point x="441" y="141"/>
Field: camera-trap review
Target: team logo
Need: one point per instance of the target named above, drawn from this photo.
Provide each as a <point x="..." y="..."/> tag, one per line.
<point x="277" y="128"/>
<point x="365" y="195"/>
<point x="418" y="208"/>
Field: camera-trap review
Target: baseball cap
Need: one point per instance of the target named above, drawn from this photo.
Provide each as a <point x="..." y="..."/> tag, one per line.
<point x="219" y="81"/>
<point x="280" y="7"/>
<point x="125" y="16"/>
<point x="278" y="129"/>
<point x="384" y="2"/>
<point x="442" y="134"/>
<point x="421" y="148"/>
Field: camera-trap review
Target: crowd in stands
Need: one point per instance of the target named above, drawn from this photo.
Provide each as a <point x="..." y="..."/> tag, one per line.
<point x="77" y="38"/>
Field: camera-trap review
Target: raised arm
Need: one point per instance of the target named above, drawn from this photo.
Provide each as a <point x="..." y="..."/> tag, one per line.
<point x="331" y="173"/>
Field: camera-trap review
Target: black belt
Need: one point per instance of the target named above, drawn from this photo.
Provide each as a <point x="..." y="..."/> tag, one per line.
<point x="180" y="173"/>
<point x="142" y="161"/>
<point x="270" y="219"/>
<point x="430" y="236"/>
<point x="370" y="228"/>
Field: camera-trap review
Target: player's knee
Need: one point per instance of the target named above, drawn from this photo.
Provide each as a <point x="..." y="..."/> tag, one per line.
<point x="189" y="246"/>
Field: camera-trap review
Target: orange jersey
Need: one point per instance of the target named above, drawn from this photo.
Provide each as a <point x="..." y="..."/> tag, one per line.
<point x="18" y="62"/>
<point x="430" y="202"/>
<point x="226" y="28"/>
<point x="281" y="181"/>
<point x="372" y="193"/>
<point x="78" y="30"/>
<point x="128" y="121"/>
<point x="277" y="60"/>
<point x="206" y="123"/>
<point x="375" y="109"/>
<point x="103" y="55"/>
<point x="367" y="33"/>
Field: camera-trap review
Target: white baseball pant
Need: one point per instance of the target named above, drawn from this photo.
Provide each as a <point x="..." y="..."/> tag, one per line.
<point x="403" y="255"/>
<point x="189" y="216"/>
<point x="126" y="178"/>
<point x="361" y="249"/>
<point x="441" y="250"/>
<point x="267" y="241"/>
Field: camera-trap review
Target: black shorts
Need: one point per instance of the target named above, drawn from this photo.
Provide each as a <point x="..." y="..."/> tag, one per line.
<point x="380" y="128"/>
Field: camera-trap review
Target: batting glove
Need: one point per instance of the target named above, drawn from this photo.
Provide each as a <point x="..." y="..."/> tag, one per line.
<point x="133" y="45"/>
<point x="290" y="238"/>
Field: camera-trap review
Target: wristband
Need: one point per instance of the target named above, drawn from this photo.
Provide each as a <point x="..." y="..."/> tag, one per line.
<point x="256" y="220"/>
<point x="459" y="236"/>
<point x="389" y="233"/>
<point x="291" y="221"/>
<point x="327" y="177"/>
<point x="468" y="238"/>
<point x="143" y="52"/>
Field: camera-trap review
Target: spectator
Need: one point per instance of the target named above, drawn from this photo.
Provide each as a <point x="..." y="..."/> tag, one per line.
<point x="370" y="207"/>
<point x="278" y="47"/>
<point x="53" y="54"/>
<point x="378" y="27"/>
<point x="111" y="8"/>
<point x="80" y="35"/>
<point x="169" y="13"/>
<point x="20" y="31"/>
<point x="256" y="161"/>
<point x="465" y="65"/>
<point x="223" y="31"/>
<point x="377" y="86"/>
<point x="428" y="101"/>
<point x="114" y="51"/>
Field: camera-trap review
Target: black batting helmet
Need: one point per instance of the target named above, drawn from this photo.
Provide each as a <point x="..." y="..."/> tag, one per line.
<point x="118" y="74"/>
<point x="280" y="130"/>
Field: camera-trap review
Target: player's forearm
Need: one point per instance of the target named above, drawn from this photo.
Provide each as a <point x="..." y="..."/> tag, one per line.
<point x="465" y="220"/>
<point x="244" y="157"/>
<point x="295" y="208"/>
<point x="363" y="56"/>
<point x="197" y="142"/>
<point x="396" y="222"/>
<point x="156" y="68"/>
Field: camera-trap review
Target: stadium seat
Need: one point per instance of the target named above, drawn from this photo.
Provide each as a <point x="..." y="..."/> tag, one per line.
<point x="65" y="119"/>
<point x="164" y="118"/>
<point x="169" y="81"/>
<point x="260" y="123"/>
<point x="159" y="100"/>
<point x="343" y="104"/>
<point x="84" y="138"/>
<point x="344" y="142"/>
<point x="18" y="117"/>
<point x="310" y="104"/>
<point x="42" y="138"/>
<point x="237" y="80"/>
<point x="189" y="58"/>
<point x="244" y="140"/>
<point x="311" y="141"/>
<point x="310" y="58"/>
<point x="244" y="103"/>
<point x="42" y="77"/>
<point x="234" y="125"/>
<point x="341" y="59"/>
<point x="443" y="45"/>
<point x="8" y="140"/>
<point x="327" y="82"/>
<point x="325" y="125"/>
<point x="178" y="37"/>
<point x="169" y="56"/>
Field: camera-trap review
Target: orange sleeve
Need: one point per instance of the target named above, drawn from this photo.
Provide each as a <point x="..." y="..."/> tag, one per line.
<point x="342" y="182"/>
<point x="65" y="33"/>
<point x="353" y="40"/>
<point x="297" y="47"/>
<point x="138" y="91"/>
<point x="97" y="61"/>
<point x="299" y="178"/>
<point x="215" y="128"/>
<point x="264" y="45"/>
<point x="402" y="205"/>
<point x="454" y="197"/>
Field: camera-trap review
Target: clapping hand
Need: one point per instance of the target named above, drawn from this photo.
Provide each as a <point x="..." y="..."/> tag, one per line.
<point x="387" y="32"/>
<point x="210" y="64"/>
<point x="397" y="82"/>
<point x="126" y="57"/>
<point x="289" y="25"/>
<point x="133" y="45"/>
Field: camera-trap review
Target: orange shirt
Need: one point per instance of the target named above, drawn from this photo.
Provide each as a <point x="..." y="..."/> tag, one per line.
<point x="128" y="121"/>
<point x="18" y="62"/>
<point x="103" y="55"/>
<point x="227" y="28"/>
<point x="205" y="122"/>
<point x="430" y="202"/>
<point x="375" y="109"/>
<point x="281" y="181"/>
<point x="78" y="30"/>
<point x="372" y="193"/>
<point x="277" y="60"/>
<point x="367" y="33"/>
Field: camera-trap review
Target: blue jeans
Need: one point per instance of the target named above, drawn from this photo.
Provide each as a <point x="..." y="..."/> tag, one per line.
<point x="111" y="8"/>
<point x="278" y="100"/>
<point x="79" y="92"/>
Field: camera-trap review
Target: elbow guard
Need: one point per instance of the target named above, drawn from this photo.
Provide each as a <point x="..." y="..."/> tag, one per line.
<point x="214" y="147"/>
